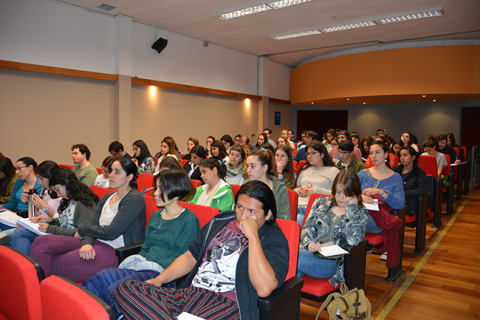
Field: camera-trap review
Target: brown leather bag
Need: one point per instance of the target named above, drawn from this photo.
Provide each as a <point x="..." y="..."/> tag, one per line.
<point x="353" y="305"/>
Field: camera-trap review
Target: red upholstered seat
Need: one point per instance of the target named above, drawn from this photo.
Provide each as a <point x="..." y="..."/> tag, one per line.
<point x="374" y="238"/>
<point x="145" y="181"/>
<point x="196" y="183"/>
<point x="151" y="207"/>
<point x="66" y="166"/>
<point x="311" y="200"/>
<point x="63" y="299"/>
<point x="291" y="230"/>
<point x="100" y="191"/>
<point x="235" y="188"/>
<point x="19" y="286"/>
<point x="317" y="287"/>
<point x="409" y="219"/>
<point x="203" y="213"/>
<point x="293" y="198"/>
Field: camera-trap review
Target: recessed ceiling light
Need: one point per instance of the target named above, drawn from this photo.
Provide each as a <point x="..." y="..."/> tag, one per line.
<point x="312" y="102"/>
<point x="434" y="100"/>
<point x="348" y="98"/>
<point x="414" y="15"/>
<point x="364" y="103"/>
<point x="256" y="8"/>
<point x="424" y="96"/>
<point x="106" y="7"/>
<point x="297" y="34"/>
<point x="349" y="26"/>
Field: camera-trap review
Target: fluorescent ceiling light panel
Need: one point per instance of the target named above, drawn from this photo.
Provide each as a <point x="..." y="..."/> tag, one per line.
<point x="257" y="7"/>
<point x="428" y="13"/>
<point x="349" y="26"/>
<point x="296" y="35"/>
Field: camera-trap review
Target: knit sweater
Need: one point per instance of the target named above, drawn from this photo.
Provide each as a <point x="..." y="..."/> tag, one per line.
<point x="320" y="178"/>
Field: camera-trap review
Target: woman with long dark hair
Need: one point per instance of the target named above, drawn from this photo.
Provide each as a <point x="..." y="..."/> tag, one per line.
<point x="283" y="166"/>
<point x="167" y="149"/>
<point x="72" y="206"/>
<point x="315" y="176"/>
<point x="218" y="151"/>
<point x="118" y="220"/>
<point x="142" y="157"/>
<point x="192" y="167"/>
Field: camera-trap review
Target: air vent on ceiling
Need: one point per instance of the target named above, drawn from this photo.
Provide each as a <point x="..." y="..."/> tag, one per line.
<point x="106" y="7"/>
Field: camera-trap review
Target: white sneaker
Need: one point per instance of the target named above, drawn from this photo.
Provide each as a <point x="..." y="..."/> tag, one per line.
<point x="383" y="256"/>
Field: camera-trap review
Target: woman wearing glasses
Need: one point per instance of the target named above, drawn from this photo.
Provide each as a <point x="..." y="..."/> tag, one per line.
<point x="315" y="176"/>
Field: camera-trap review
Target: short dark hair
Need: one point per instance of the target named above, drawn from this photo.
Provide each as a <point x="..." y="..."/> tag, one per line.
<point x="6" y="166"/>
<point x="173" y="184"/>
<point x="312" y="134"/>
<point x="199" y="151"/>
<point x="346" y="145"/>
<point x="238" y="136"/>
<point x="268" y="146"/>
<point x="269" y="130"/>
<point x="108" y="161"/>
<point x="304" y="131"/>
<point x="115" y="146"/>
<point x="345" y="133"/>
<point x="227" y="138"/>
<point x="260" y="191"/>
<point x="83" y="149"/>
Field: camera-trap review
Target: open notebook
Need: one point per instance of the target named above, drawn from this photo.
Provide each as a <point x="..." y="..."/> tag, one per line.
<point x="9" y="218"/>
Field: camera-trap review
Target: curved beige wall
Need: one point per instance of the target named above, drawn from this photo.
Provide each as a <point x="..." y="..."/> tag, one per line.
<point x="443" y="70"/>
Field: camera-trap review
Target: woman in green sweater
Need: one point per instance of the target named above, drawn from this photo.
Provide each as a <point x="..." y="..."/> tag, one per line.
<point x="169" y="231"/>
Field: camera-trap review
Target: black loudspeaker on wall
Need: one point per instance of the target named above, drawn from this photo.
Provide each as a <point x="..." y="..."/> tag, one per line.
<point x="160" y="44"/>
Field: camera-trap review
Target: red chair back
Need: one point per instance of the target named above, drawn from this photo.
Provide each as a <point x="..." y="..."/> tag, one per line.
<point x="156" y="161"/>
<point x="99" y="170"/>
<point x="429" y="165"/>
<point x="203" y="213"/>
<point x="184" y="162"/>
<point x="100" y="191"/>
<point x="311" y="200"/>
<point x="66" y="166"/>
<point x="196" y="183"/>
<point x="395" y="161"/>
<point x="294" y="151"/>
<point x="20" y="287"/>
<point x="447" y="169"/>
<point x="300" y="164"/>
<point x="295" y="166"/>
<point x="77" y="303"/>
<point x="291" y="230"/>
<point x="235" y="188"/>
<point x="151" y="207"/>
<point x="293" y="198"/>
<point x="145" y="181"/>
<point x="457" y="150"/>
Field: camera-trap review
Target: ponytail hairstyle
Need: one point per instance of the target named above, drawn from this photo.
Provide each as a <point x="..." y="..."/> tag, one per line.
<point x="265" y="157"/>
<point x="7" y="167"/>
<point x="130" y="168"/>
<point x="29" y="162"/>
<point x="75" y="190"/>
<point x="46" y="170"/>
<point x="288" y="170"/>
<point x="211" y="163"/>
<point x="430" y="142"/>
<point x="385" y="149"/>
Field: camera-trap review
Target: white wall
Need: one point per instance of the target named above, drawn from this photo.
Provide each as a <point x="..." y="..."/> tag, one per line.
<point x="279" y="81"/>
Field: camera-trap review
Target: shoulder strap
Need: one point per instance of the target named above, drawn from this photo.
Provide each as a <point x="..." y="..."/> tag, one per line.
<point x="326" y="302"/>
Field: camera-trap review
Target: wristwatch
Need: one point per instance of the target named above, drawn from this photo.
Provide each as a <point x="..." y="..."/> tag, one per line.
<point x="44" y="210"/>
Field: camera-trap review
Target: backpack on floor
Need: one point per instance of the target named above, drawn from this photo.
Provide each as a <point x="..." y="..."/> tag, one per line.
<point x="352" y="304"/>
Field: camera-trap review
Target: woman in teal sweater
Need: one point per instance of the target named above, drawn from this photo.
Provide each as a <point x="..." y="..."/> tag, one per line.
<point x="168" y="234"/>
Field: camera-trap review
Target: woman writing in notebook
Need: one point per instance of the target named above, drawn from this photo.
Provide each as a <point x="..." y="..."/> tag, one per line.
<point x="340" y="219"/>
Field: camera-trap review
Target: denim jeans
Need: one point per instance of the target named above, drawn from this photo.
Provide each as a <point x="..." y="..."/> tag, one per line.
<point x="372" y="226"/>
<point x="315" y="267"/>
<point x="22" y="240"/>
<point x="301" y="214"/>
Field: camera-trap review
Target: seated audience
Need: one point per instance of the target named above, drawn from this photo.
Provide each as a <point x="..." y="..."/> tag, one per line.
<point x="451" y="143"/>
<point x="216" y="192"/>
<point x="267" y="146"/>
<point x="315" y="176"/>
<point x="237" y="165"/>
<point x="142" y="158"/>
<point x="259" y="167"/>
<point x="365" y="147"/>
<point x="116" y="149"/>
<point x="268" y="133"/>
<point x="167" y="149"/>
<point x="346" y="160"/>
<point x="395" y="147"/>
<point x="382" y="180"/>
<point x="73" y="206"/>
<point x="215" y="256"/>
<point x="413" y="177"/>
<point x="343" y="135"/>
<point x="301" y="144"/>
<point x="118" y="221"/>
<point x="227" y="142"/>
<point x="83" y="169"/>
<point x="310" y="136"/>
<point x="191" y="143"/>
<point x="407" y="139"/>
<point x="339" y="220"/>
<point x="27" y="180"/>
<point x="192" y="167"/>
<point x="7" y="179"/>
<point x="283" y="166"/>
<point x="291" y="136"/>
<point x="169" y="231"/>
<point x="208" y="143"/>
<point x="170" y="141"/>
<point x="384" y="132"/>
<point x="393" y="160"/>
<point x="429" y="147"/>
<point x="246" y="142"/>
<point x="443" y="148"/>
<point x="287" y="139"/>
<point x="331" y="134"/>
<point x="102" y="179"/>
<point x="238" y="139"/>
<point x="218" y="151"/>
